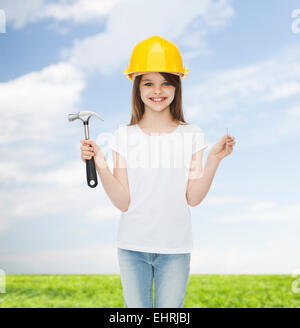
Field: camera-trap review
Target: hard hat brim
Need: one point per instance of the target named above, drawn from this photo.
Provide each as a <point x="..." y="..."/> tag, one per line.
<point x="134" y="75"/>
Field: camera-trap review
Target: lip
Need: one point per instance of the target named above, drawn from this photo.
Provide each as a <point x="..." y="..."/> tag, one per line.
<point x="164" y="98"/>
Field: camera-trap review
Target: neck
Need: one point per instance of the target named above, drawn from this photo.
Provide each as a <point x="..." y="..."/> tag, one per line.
<point x="157" y="120"/>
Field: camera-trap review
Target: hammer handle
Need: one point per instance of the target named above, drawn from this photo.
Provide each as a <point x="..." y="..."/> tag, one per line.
<point x="91" y="173"/>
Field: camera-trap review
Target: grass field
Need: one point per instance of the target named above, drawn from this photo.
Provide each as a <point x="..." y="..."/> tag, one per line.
<point x="105" y="291"/>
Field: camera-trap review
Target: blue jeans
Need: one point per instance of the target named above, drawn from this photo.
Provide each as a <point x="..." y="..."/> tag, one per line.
<point x="169" y="271"/>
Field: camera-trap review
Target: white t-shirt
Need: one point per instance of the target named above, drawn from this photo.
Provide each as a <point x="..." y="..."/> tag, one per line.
<point x="158" y="219"/>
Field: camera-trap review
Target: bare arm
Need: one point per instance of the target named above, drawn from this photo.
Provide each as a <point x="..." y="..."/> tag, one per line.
<point x="115" y="185"/>
<point x="112" y="186"/>
<point x="200" y="180"/>
<point x="199" y="184"/>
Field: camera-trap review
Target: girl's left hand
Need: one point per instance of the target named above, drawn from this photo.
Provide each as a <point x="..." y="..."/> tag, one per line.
<point x="218" y="150"/>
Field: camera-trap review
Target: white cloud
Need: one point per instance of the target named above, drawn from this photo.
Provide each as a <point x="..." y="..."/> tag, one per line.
<point x="264" y="212"/>
<point x="84" y="259"/>
<point x="100" y="213"/>
<point x="270" y="259"/>
<point x="43" y="192"/>
<point x="79" y="11"/>
<point x="245" y="95"/>
<point x="20" y="13"/>
<point x="228" y="90"/>
<point x="36" y="203"/>
<point x="103" y="259"/>
<point x="36" y="107"/>
<point x="34" y="143"/>
<point x="36" y="102"/>
<point x="294" y="111"/>
<point x="221" y="200"/>
<point x="110" y="50"/>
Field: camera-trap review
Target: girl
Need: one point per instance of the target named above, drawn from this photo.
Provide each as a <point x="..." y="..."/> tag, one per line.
<point x="155" y="232"/>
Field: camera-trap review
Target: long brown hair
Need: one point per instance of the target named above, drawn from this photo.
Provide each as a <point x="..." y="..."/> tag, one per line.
<point x="138" y="107"/>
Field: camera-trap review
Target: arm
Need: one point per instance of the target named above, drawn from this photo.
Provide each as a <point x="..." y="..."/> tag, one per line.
<point x="200" y="182"/>
<point x="115" y="185"/>
<point x="116" y="191"/>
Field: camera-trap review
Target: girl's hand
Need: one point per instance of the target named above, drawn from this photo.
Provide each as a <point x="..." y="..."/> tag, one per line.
<point x="90" y="149"/>
<point x="218" y="150"/>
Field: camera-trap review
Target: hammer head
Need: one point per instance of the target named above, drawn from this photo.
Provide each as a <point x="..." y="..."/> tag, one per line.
<point x="83" y="115"/>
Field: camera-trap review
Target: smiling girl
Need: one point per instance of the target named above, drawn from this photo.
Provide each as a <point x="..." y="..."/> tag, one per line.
<point x="155" y="231"/>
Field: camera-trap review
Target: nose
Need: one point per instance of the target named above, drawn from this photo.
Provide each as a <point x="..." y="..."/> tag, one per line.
<point x="157" y="90"/>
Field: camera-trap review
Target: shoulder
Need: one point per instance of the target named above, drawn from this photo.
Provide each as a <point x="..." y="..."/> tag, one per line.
<point x="193" y="128"/>
<point x="124" y="132"/>
<point x="123" y="128"/>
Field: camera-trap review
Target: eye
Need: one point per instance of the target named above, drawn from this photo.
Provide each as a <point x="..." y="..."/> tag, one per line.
<point x="151" y="83"/>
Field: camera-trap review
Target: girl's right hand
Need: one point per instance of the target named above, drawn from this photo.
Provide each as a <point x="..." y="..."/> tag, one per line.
<point x="89" y="149"/>
<point x="218" y="150"/>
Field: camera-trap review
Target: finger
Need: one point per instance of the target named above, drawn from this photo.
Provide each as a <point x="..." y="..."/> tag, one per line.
<point x="88" y="141"/>
<point x="84" y="148"/>
<point x="90" y="144"/>
<point x="89" y="153"/>
<point x="85" y="142"/>
<point x="228" y="138"/>
<point x="87" y="156"/>
<point x="232" y="142"/>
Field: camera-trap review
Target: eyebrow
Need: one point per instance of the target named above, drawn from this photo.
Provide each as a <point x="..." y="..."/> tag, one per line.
<point x="151" y="80"/>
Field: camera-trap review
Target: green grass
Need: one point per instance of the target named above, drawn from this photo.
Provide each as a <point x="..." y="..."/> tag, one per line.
<point x="105" y="291"/>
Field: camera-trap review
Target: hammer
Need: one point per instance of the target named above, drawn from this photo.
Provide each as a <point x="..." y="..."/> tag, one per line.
<point x="84" y="116"/>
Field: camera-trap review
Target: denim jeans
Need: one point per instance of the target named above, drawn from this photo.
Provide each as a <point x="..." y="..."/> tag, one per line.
<point x="170" y="274"/>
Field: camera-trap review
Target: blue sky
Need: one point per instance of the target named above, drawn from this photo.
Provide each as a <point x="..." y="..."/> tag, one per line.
<point x="59" y="57"/>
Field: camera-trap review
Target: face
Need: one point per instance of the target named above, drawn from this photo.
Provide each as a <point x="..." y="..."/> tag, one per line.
<point x="153" y="85"/>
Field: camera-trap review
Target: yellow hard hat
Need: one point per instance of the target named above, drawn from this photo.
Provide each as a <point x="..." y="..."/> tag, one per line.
<point x="155" y="54"/>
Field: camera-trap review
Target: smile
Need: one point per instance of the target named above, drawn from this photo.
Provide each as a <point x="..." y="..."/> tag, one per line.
<point x="158" y="100"/>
